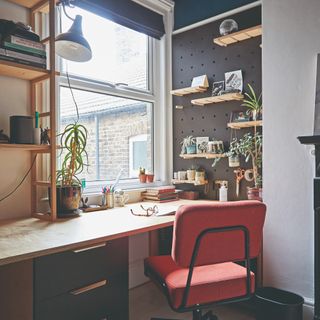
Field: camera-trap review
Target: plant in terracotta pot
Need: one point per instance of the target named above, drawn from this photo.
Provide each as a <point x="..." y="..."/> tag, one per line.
<point x="73" y="141"/>
<point x="253" y="103"/>
<point x="149" y="177"/>
<point x="188" y="145"/>
<point x="250" y="146"/>
<point x="142" y="175"/>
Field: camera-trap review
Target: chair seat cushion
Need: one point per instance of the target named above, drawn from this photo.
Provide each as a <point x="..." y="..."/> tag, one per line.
<point x="210" y="283"/>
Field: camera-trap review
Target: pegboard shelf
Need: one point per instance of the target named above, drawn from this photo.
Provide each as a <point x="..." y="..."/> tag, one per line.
<point x="245" y="124"/>
<point x="238" y="36"/>
<point x="185" y="91"/>
<point x="194" y="182"/>
<point x="218" y="99"/>
<point x="203" y="155"/>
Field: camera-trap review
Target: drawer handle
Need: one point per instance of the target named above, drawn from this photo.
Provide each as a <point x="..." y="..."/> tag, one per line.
<point x="89" y="288"/>
<point x="90" y="248"/>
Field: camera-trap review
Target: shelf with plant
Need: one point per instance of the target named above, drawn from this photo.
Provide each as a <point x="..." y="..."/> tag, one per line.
<point x="203" y="155"/>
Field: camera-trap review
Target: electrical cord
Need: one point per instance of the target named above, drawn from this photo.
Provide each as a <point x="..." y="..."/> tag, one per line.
<point x="73" y="98"/>
<point x="21" y="182"/>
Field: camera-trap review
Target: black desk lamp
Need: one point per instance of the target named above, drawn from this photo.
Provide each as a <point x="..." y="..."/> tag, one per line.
<point x="71" y="45"/>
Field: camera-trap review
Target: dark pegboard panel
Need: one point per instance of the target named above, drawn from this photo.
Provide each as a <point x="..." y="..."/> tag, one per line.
<point x="194" y="54"/>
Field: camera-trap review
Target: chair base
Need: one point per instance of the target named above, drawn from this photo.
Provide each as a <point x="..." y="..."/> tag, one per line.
<point x="197" y="315"/>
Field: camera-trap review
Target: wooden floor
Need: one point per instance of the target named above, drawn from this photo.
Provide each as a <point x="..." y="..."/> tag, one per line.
<point x="147" y="301"/>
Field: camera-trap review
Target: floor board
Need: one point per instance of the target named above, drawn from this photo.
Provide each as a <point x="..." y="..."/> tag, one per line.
<point x="147" y="301"/>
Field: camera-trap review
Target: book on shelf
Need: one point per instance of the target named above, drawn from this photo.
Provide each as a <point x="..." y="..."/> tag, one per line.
<point x="159" y="196"/>
<point x="25" y="42"/>
<point x="162" y="201"/>
<point x="23" y="49"/>
<point x="159" y="190"/>
<point x="28" y="63"/>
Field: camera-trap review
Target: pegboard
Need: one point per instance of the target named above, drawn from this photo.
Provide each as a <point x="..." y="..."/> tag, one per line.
<point x="194" y="54"/>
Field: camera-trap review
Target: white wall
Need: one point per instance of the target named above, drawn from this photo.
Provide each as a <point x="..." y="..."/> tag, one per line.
<point x="13" y="101"/>
<point x="291" y="42"/>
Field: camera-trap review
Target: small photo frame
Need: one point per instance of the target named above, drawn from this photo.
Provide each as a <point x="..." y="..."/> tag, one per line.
<point x="217" y="88"/>
<point x="233" y="81"/>
<point x="239" y="116"/>
<point x="202" y="144"/>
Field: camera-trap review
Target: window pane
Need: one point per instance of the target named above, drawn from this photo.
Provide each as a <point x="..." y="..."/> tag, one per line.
<point x="120" y="55"/>
<point x="112" y="122"/>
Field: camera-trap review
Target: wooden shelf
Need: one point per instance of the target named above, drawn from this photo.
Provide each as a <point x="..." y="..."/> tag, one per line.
<point x="184" y="91"/>
<point x="238" y="36"/>
<point x="176" y="181"/>
<point x="218" y="99"/>
<point x="25" y="147"/>
<point x="245" y="124"/>
<point x="203" y="155"/>
<point x="35" y="5"/>
<point x="21" y="71"/>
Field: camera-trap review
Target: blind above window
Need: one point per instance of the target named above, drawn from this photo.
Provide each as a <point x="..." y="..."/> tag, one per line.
<point x="126" y="13"/>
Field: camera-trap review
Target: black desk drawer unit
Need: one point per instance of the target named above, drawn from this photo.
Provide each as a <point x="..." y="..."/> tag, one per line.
<point x="86" y="284"/>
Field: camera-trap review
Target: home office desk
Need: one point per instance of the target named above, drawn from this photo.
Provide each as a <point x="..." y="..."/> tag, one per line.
<point x="75" y="264"/>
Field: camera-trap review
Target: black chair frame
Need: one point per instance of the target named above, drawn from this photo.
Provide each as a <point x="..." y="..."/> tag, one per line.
<point x="196" y="309"/>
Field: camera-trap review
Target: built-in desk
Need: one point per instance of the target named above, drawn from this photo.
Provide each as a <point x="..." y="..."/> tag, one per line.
<point x="89" y="252"/>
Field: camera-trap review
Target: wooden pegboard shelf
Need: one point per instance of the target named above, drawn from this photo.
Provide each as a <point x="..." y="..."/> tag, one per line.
<point x="194" y="182"/>
<point x="245" y="124"/>
<point x="239" y="36"/>
<point x="203" y="155"/>
<point x="25" y="147"/>
<point x="218" y="99"/>
<point x="185" y="91"/>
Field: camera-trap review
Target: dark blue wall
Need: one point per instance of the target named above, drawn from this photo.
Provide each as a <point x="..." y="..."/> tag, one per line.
<point x="191" y="11"/>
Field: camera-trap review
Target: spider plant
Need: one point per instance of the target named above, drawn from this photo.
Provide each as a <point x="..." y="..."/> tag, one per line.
<point x="253" y="103"/>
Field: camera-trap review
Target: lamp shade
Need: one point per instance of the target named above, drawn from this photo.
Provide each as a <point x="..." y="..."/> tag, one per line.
<point x="72" y="45"/>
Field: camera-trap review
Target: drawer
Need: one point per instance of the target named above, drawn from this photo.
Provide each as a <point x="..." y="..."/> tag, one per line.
<point x="102" y="301"/>
<point x="61" y="272"/>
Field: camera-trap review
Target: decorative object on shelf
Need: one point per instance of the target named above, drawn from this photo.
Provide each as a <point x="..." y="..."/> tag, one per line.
<point x="253" y="103"/>
<point x="120" y="198"/>
<point x="188" y="145"/>
<point x="191" y="173"/>
<point x="149" y="177"/>
<point x="142" y="175"/>
<point x="202" y="144"/>
<point x="217" y="88"/>
<point x="21" y="129"/>
<point x="200" y="176"/>
<point x="228" y="26"/>
<point x="73" y="141"/>
<point x="3" y="137"/>
<point x="45" y="136"/>
<point x="200" y="81"/>
<point x="239" y="116"/>
<point x="239" y="176"/>
<point x="182" y="175"/>
<point x="71" y="45"/>
<point x="36" y="130"/>
<point x="223" y="192"/>
<point x="233" y="81"/>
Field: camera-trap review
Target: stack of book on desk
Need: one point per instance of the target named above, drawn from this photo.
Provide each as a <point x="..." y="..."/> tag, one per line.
<point x="21" y="46"/>
<point x="160" y="194"/>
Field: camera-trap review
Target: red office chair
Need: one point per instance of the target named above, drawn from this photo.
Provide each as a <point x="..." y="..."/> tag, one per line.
<point x="207" y="241"/>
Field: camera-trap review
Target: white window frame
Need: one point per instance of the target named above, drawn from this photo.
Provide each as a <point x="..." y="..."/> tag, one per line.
<point x="160" y="82"/>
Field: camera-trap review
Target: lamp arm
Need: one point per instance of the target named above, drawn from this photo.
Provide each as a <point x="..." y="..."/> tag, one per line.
<point x="65" y="3"/>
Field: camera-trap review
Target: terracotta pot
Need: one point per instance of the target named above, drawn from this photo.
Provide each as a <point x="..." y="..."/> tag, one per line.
<point x="149" y="178"/>
<point x="143" y="178"/>
<point x="254" y="193"/>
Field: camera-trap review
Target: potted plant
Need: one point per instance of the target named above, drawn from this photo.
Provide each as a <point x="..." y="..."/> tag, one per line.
<point x="142" y="175"/>
<point x="250" y="146"/>
<point x="73" y="141"/>
<point x="233" y="154"/>
<point x="200" y="176"/>
<point x="189" y="145"/>
<point x="149" y="177"/>
<point x="253" y="103"/>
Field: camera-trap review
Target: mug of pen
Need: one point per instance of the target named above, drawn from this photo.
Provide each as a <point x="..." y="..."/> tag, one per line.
<point x="107" y="197"/>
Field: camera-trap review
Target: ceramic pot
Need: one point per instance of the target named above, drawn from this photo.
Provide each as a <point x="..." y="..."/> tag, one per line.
<point x="234" y="161"/>
<point x="191" y="149"/>
<point x="191" y="174"/>
<point x="182" y="175"/>
<point x="149" y="178"/>
<point x="254" y="193"/>
<point x="68" y="199"/>
<point x="142" y="178"/>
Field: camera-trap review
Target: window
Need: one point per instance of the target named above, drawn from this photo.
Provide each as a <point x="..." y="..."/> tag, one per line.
<point x="119" y="118"/>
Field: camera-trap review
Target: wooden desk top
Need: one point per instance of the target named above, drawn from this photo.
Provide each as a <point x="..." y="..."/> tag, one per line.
<point x="30" y="238"/>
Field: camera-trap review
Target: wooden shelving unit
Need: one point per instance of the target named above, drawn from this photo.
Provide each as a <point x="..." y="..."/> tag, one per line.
<point x="238" y="36"/>
<point x="245" y="124"/>
<point x="203" y="155"/>
<point x="176" y="181"/>
<point x="218" y="99"/>
<point x="185" y="91"/>
<point x="39" y="78"/>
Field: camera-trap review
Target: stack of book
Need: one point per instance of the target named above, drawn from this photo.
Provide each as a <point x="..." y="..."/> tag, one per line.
<point x="160" y="194"/>
<point x="24" y="51"/>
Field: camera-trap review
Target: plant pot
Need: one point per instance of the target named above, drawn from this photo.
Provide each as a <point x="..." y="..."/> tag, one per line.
<point x="254" y="193"/>
<point x="200" y="177"/>
<point x="149" y="178"/>
<point x="143" y="178"/>
<point x="234" y="161"/>
<point x="68" y="199"/>
<point x="191" y="174"/>
<point x="191" y="149"/>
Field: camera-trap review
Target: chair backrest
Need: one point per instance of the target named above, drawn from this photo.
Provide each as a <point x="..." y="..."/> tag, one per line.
<point x="191" y="220"/>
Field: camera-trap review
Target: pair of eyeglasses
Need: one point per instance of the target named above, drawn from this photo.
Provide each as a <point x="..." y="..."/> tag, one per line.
<point x="147" y="212"/>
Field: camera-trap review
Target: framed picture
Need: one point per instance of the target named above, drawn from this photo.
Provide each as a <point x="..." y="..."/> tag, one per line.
<point x="202" y="144"/>
<point x="239" y="116"/>
<point x="217" y="87"/>
<point x="234" y="81"/>
<point x="201" y="81"/>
